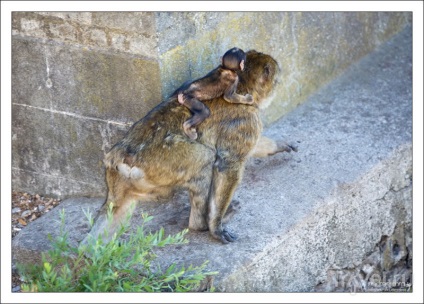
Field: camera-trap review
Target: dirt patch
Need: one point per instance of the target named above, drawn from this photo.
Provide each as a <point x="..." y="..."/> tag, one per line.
<point x="25" y="209"/>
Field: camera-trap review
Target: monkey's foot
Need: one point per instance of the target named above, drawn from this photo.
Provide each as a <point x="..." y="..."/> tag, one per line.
<point x="249" y="99"/>
<point x="225" y="236"/>
<point x="181" y="98"/>
<point x="285" y="147"/>
<point x="190" y="132"/>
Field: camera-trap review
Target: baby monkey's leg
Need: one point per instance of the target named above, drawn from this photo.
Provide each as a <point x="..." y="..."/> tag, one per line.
<point x="200" y="113"/>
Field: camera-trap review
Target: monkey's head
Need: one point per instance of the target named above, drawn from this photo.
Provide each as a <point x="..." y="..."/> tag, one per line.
<point x="234" y="59"/>
<point x="259" y="77"/>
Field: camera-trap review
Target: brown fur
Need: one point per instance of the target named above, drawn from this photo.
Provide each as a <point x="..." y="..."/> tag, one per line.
<point x="155" y="157"/>
<point x="221" y="81"/>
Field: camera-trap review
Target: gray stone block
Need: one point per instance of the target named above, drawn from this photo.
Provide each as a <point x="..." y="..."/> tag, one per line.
<point x="86" y="83"/>
<point x="69" y="107"/>
<point x="139" y="22"/>
<point x="64" y="158"/>
<point x="95" y="30"/>
<point x="27" y="246"/>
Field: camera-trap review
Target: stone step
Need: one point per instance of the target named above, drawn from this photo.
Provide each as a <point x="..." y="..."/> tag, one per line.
<point x="311" y="219"/>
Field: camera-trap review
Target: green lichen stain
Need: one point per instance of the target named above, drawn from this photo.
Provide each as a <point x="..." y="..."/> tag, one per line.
<point x="173" y="69"/>
<point x="95" y="78"/>
<point x="147" y="74"/>
<point x="112" y="86"/>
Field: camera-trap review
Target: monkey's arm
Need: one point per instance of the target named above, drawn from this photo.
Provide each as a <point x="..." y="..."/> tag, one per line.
<point x="231" y="96"/>
<point x="266" y="147"/>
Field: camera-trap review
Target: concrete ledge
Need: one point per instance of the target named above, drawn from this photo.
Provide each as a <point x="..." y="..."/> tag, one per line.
<point x="307" y="215"/>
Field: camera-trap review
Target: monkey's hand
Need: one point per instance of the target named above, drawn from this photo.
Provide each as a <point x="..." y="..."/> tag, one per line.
<point x="181" y="98"/>
<point x="249" y="98"/>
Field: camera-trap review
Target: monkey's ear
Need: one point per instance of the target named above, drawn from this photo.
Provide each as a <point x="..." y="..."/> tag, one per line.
<point x="267" y="70"/>
<point x="242" y="65"/>
<point x="266" y="73"/>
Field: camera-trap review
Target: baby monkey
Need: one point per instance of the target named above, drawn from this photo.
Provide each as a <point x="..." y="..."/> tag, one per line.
<point x="222" y="81"/>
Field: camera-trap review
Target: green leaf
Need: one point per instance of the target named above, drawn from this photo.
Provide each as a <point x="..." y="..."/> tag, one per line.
<point x="117" y="265"/>
<point x="47" y="267"/>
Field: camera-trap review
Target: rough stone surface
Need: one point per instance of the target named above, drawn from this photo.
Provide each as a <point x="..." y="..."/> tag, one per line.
<point x="70" y="105"/>
<point x="93" y="30"/>
<point x="308" y="221"/>
<point x="387" y="268"/>
<point x="65" y="144"/>
<point x="27" y="246"/>
<point x="82" y="83"/>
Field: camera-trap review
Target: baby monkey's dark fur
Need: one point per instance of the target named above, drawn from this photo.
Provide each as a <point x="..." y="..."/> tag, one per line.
<point x="222" y="81"/>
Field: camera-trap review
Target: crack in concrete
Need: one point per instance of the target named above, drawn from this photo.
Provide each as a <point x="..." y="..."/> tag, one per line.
<point x="74" y="115"/>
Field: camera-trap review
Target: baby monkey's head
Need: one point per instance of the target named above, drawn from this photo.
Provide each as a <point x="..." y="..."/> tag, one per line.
<point x="234" y="59"/>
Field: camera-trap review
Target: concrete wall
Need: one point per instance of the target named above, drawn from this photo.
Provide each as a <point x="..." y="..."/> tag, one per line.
<point x="80" y="79"/>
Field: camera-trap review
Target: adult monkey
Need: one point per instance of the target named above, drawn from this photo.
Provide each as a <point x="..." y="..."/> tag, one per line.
<point x="155" y="156"/>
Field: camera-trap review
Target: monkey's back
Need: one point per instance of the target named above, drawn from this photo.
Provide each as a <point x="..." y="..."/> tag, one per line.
<point x="169" y="158"/>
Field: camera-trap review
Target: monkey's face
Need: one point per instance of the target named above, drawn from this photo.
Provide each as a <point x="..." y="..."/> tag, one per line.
<point x="259" y="76"/>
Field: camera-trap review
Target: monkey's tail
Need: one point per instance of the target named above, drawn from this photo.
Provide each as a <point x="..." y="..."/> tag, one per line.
<point x="113" y="158"/>
<point x="119" y="160"/>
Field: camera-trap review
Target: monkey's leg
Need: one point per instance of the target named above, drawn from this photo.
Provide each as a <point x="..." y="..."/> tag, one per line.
<point x="199" y="210"/>
<point x="266" y="147"/>
<point x="200" y="113"/>
<point x="236" y="98"/>
<point x="224" y="184"/>
<point x="122" y="207"/>
<point x="199" y="194"/>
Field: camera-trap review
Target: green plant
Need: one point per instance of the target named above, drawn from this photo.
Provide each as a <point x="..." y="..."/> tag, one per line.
<point x="117" y="265"/>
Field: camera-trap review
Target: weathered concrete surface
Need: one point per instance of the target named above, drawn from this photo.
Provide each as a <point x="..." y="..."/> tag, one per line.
<point x="35" y="239"/>
<point x="308" y="217"/>
<point x="128" y="32"/>
<point x="79" y="79"/>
